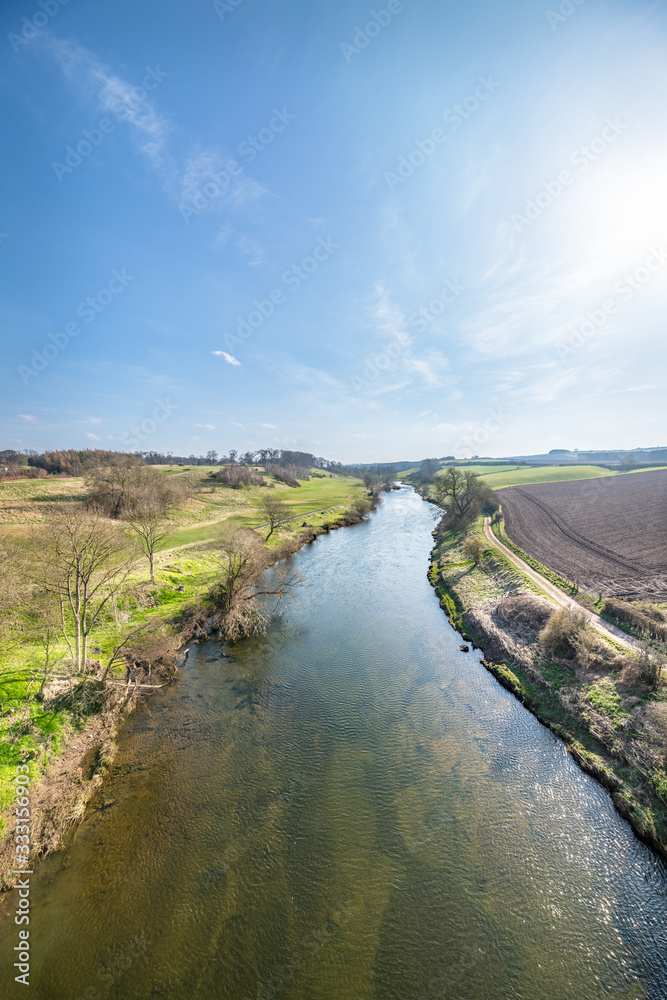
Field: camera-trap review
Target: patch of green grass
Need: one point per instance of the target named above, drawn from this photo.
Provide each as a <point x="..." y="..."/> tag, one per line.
<point x="606" y="699"/>
<point x="485" y="470"/>
<point x="556" y="675"/>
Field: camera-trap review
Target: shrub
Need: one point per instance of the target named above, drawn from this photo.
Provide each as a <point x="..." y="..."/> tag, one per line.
<point x="566" y="633"/>
<point x="288" y="474"/>
<point x="473" y="548"/>
<point x="238" y="476"/>
<point x="647" y="619"/>
<point x="361" y="506"/>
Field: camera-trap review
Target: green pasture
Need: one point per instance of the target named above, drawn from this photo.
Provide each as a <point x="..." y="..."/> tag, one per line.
<point x="545" y="474"/>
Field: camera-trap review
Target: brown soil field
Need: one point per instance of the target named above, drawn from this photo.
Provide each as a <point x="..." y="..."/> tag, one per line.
<point x="608" y="534"/>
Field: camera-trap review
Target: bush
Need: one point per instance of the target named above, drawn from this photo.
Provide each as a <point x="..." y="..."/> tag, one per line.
<point x="566" y="633"/>
<point x="361" y="506"/>
<point x="648" y="666"/>
<point x="288" y="474"/>
<point x="473" y="548"/>
<point x="647" y="619"/>
<point x="238" y="476"/>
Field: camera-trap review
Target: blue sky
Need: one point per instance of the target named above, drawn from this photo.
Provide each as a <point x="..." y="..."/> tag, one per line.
<point x="373" y="232"/>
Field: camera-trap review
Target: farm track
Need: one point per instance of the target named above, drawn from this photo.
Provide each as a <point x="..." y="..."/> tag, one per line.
<point x="606" y="629"/>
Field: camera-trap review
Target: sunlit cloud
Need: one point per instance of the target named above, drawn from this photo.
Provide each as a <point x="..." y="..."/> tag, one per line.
<point x="229" y="358"/>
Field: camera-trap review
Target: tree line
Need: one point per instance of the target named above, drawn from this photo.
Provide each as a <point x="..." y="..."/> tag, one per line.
<point x="75" y="462"/>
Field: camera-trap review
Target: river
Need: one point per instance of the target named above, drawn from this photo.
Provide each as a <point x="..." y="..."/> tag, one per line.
<point x="346" y="808"/>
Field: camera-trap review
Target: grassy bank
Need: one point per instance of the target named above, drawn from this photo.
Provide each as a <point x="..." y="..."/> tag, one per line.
<point x="614" y="726"/>
<point x="68" y="731"/>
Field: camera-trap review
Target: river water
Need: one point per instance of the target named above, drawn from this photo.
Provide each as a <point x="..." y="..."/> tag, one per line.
<point x="347" y="808"/>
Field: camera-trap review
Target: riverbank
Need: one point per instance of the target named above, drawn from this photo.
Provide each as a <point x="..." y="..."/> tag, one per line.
<point x="67" y="739"/>
<point x="614" y="727"/>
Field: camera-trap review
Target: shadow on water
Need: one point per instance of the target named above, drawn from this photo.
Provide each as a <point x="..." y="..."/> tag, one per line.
<point x="347" y="808"/>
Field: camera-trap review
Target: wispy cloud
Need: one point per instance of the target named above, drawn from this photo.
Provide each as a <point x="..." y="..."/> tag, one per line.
<point x="119" y="97"/>
<point x="229" y="358"/>
<point x="206" y="427"/>
<point x="183" y="179"/>
<point x="28" y="417"/>
<point x="92" y="437"/>
<point x="396" y="354"/>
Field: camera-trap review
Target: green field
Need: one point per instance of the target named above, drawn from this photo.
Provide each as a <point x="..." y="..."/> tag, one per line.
<point x="312" y="495"/>
<point x="548" y="474"/>
<point x="488" y="470"/>
<point x="26" y="503"/>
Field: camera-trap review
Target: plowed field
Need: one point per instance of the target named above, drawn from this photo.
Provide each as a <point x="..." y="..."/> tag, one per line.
<point x="609" y="534"/>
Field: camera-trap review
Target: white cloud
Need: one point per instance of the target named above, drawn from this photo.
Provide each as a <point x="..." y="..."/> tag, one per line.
<point x="210" y="167"/>
<point x="92" y="437"/>
<point x="28" y="417"/>
<point x="395" y="353"/>
<point x="115" y="95"/>
<point x="229" y="358"/>
<point x="269" y="427"/>
<point x="94" y="420"/>
<point x="234" y="424"/>
<point x="130" y="103"/>
<point x="206" y="427"/>
<point x="249" y="247"/>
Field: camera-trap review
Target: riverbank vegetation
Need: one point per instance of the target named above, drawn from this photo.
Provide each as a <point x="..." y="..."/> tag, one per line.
<point x="607" y="704"/>
<point x="96" y="599"/>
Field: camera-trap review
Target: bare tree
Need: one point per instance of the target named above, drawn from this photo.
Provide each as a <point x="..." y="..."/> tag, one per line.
<point x="651" y="662"/>
<point x="116" y="490"/>
<point x="83" y="561"/>
<point x="274" y="510"/>
<point x="151" y="521"/>
<point x="247" y="574"/>
<point x="387" y="477"/>
<point x="361" y="506"/>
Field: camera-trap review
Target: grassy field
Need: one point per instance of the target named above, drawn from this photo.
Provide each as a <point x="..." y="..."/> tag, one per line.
<point x="548" y="474"/>
<point x="29" y="502"/>
<point x="486" y="470"/>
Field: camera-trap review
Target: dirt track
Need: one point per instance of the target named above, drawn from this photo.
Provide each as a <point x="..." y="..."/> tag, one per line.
<point x="560" y="597"/>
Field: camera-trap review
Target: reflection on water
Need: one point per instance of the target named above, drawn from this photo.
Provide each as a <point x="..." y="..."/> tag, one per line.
<point x="348" y="808"/>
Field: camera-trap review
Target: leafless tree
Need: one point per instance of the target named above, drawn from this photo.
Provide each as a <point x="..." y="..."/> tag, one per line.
<point x="361" y="506"/>
<point x="274" y="510"/>
<point x="247" y="574"/>
<point x="83" y="560"/>
<point x="116" y="490"/>
<point x="151" y="523"/>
